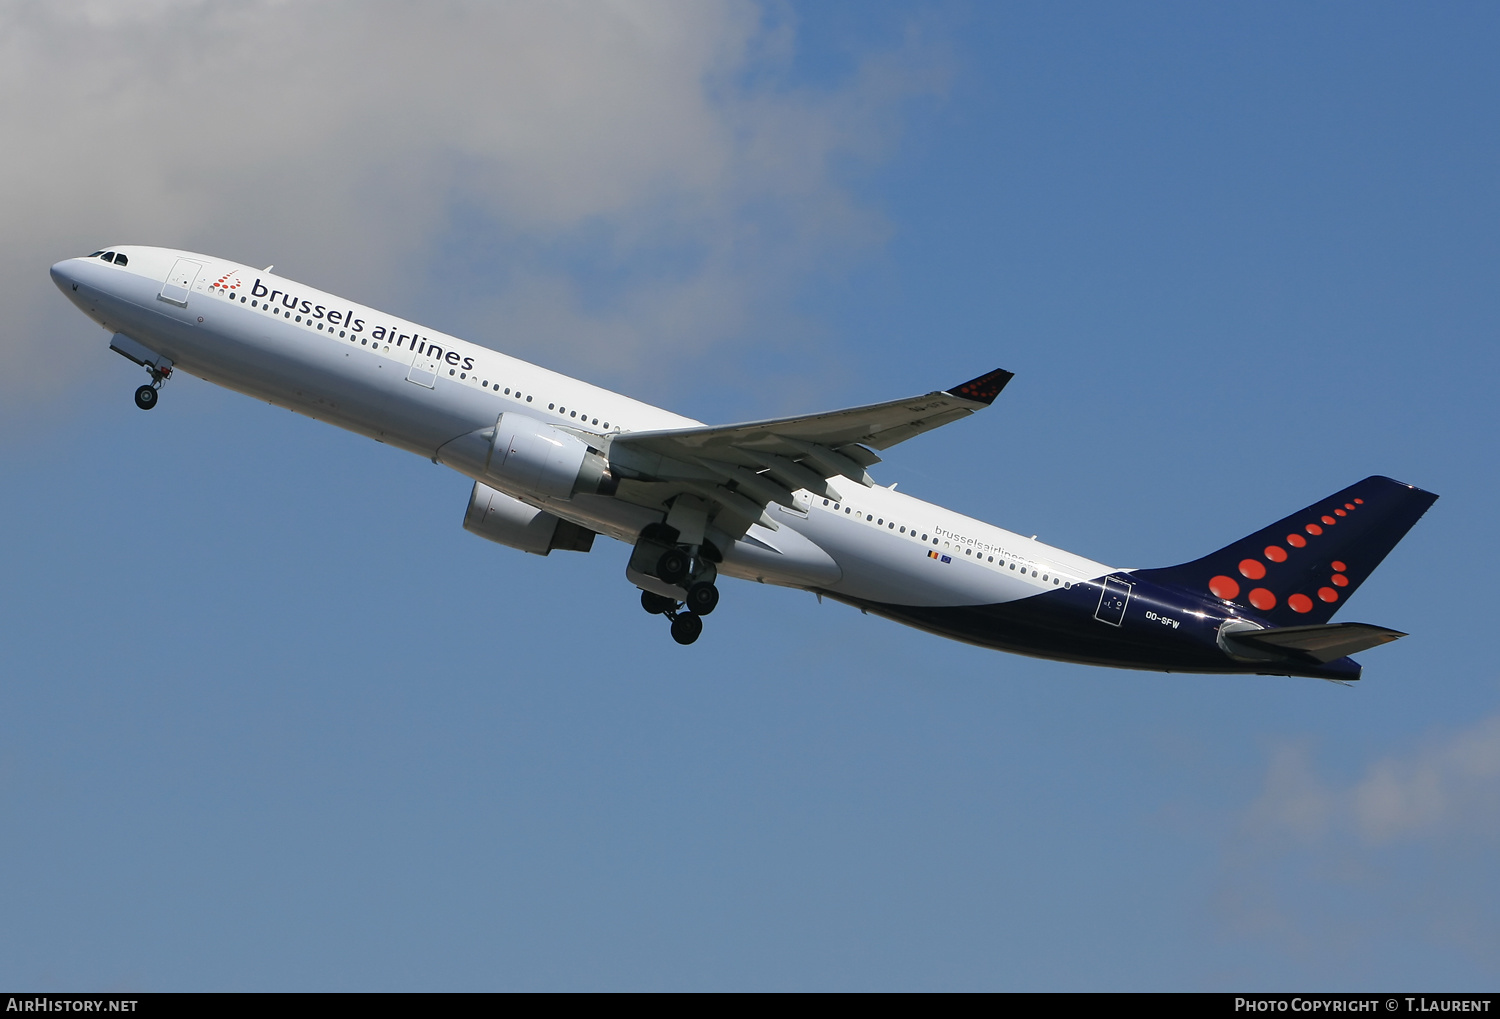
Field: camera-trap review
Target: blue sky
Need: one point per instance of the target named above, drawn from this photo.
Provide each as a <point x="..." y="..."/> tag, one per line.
<point x="270" y="719"/>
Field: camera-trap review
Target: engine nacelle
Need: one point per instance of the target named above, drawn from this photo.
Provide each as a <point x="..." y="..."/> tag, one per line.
<point x="498" y="517"/>
<point x="523" y="454"/>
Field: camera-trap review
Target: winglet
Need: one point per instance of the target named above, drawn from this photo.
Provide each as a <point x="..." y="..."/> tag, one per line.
<point x="985" y="388"/>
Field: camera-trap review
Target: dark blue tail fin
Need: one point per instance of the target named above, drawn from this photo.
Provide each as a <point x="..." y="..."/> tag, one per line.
<point x="1301" y="569"/>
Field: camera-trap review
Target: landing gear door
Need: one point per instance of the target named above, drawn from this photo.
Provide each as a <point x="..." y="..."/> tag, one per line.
<point x="180" y="282"/>
<point x="1112" y="601"/>
<point x="424" y="371"/>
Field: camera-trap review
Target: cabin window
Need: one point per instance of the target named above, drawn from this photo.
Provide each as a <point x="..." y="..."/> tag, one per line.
<point x="596" y="421"/>
<point x="574" y="414"/>
<point x="606" y="424"/>
<point x="550" y="406"/>
<point x="1012" y="565"/>
<point x="825" y="502"/>
<point x="892" y="525"/>
<point x="462" y="375"/>
<point x="450" y="371"/>
<point x="528" y="399"/>
<point x="846" y="509"/>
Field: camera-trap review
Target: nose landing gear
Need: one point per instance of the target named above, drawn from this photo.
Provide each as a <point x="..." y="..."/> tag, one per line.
<point x="146" y="396"/>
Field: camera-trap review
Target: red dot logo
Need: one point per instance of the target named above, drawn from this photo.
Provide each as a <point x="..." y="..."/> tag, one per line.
<point x="1339" y="580"/>
<point x="1337" y="565"/>
<point x="1348" y="505"/>
<point x="1340" y="513"/>
<point x="1359" y="502"/>
<point x="1299" y="603"/>
<point x="1314" y="529"/>
<point x="1252" y="569"/>
<point x="1224" y="587"/>
<point x="1328" y="594"/>
<point x="1329" y="520"/>
<point x="1276" y="553"/>
<point x="1296" y="541"/>
<point x="1263" y="599"/>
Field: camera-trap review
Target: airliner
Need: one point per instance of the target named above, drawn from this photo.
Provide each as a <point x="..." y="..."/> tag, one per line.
<point x="788" y="501"/>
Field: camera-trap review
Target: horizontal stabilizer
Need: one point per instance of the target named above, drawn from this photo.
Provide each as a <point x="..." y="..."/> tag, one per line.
<point x="1321" y="644"/>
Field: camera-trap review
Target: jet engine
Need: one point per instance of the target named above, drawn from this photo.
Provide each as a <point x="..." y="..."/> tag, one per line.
<point x="498" y="517"/>
<point x="523" y="454"/>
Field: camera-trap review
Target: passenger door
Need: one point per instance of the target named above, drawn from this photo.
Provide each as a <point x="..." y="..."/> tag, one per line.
<point x="424" y="370"/>
<point x="180" y="282"/>
<point x="1112" y="601"/>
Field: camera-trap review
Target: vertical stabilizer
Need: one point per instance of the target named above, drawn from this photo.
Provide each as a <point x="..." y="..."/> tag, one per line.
<point x="1302" y="568"/>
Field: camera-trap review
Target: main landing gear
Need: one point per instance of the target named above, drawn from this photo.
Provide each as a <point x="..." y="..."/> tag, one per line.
<point x="686" y="626"/>
<point x="675" y="581"/>
<point x="146" y="396"/>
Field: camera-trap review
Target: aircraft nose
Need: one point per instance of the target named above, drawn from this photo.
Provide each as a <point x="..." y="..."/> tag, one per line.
<point x="64" y="273"/>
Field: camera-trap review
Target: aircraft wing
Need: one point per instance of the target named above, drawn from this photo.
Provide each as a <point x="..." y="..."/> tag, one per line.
<point x="745" y="466"/>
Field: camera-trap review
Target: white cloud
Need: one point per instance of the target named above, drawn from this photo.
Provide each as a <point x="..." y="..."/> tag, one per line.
<point x="1322" y="865"/>
<point x="348" y="140"/>
<point x="1449" y="788"/>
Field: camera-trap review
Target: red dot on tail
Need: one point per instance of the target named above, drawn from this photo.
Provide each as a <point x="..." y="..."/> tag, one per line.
<point x="1339" y="580"/>
<point x="1299" y="603"/>
<point x="1252" y="568"/>
<point x="1329" y="520"/>
<point x="1348" y="505"/>
<point x="1340" y="513"/>
<point x="1314" y="529"/>
<point x="1339" y="566"/>
<point x="1296" y="541"/>
<point x="1263" y="599"/>
<point x="1328" y="594"/>
<point x="1276" y="553"/>
<point x="1359" y="502"/>
<point x="1224" y="587"/>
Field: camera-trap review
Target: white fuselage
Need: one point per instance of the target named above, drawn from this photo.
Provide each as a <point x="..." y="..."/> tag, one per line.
<point x="417" y="389"/>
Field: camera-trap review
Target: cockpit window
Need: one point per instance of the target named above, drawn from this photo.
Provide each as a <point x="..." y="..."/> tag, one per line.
<point x="109" y="256"/>
<point x="120" y="259"/>
<point x="116" y="257"/>
<point x="96" y="254"/>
